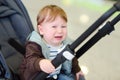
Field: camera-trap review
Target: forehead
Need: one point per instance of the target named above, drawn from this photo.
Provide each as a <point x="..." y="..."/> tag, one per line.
<point x="58" y="21"/>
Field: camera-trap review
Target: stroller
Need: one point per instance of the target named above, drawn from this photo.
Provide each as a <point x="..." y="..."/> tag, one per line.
<point x="15" y="26"/>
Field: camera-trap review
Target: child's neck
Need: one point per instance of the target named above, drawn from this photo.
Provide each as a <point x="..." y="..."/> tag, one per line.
<point x="59" y="45"/>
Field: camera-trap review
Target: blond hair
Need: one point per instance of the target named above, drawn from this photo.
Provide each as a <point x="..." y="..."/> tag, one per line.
<point x="49" y="13"/>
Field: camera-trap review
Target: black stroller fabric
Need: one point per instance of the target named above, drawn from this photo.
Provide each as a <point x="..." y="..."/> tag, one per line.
<point x="15" y="25"/>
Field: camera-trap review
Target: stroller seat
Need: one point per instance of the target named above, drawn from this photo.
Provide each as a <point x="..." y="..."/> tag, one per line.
<point x="15" y="26"/>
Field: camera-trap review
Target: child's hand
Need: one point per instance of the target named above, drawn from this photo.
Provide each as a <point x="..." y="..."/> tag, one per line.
<point x="79" y="74"/>
<point x="46" y="66"/>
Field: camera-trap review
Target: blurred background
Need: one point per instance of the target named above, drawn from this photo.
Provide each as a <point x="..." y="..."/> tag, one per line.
<point x="101" y="62"/>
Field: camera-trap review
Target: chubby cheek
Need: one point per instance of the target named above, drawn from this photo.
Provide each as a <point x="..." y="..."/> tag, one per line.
<point x="65" y="35"/>
<point x="48" y="35"/>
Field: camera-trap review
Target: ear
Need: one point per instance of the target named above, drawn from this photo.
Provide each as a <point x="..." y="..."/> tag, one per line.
<point x="40" y="29"/>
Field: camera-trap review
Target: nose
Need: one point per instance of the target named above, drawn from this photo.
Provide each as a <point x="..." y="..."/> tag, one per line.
<point x="59" y="30"/>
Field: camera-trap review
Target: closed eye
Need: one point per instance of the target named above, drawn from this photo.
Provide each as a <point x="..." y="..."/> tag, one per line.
<point x="64" y="26"/>
<point x="61" y="26"/>
<point x="54" y="26"/>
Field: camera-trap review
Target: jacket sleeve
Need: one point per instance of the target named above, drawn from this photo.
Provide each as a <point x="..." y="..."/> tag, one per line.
<point x="75" y="66"/>
<point x="33" y="56"/>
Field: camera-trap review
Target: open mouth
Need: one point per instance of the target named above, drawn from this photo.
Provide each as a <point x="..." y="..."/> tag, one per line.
<point x="58" y="37"/>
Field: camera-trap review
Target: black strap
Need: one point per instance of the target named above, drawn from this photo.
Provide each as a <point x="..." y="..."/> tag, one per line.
<point x="15" y="44"/>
